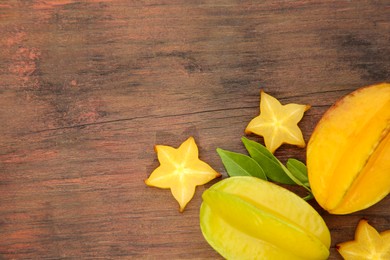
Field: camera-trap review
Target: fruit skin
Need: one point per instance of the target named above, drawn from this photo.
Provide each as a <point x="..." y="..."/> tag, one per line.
<point x="348" y="154"/>
<point x="245" y="217"/>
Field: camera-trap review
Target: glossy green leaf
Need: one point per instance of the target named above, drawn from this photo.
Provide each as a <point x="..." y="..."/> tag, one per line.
<point x="299" y="170"/>
<point x="270" y="164"/>
<point x="296" y="180"/>
<point x="237" y="164"/>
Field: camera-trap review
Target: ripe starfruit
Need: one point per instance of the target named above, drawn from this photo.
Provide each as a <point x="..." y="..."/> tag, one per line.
<point x="348" y="154"/>
<point x="244" y="217"/>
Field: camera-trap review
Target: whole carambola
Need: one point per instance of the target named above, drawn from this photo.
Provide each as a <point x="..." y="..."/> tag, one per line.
<point x="245" y="217"/>
<point x="348" y="154"/>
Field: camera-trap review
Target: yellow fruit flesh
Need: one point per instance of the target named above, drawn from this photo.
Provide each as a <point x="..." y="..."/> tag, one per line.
<point x="348" y="148"/>
<point x="181" y="171"/>
<point x="368" y="244"/>
<point x="247" y="218"/>
<point x="277" y="123"/>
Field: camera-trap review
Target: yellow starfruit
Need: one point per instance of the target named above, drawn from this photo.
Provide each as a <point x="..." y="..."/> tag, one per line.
<point x="245" y="217"/>
<point x="368" y="244"/>
<point x="348" y="154"/>
<point x="278" y="123"/>
<point x="181" y="170"/>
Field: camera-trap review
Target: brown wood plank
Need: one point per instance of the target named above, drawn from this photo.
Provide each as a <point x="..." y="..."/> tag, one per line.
<point x="87" y="88"/>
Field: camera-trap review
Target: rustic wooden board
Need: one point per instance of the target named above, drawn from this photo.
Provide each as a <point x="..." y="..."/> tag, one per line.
<point x="87" y="88"/>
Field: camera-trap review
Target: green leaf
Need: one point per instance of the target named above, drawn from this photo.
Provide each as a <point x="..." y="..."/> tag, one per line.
<point x="237" y="164"/>
<point x="272" y="167"/>
<point x="309" y="197"/>
<point x="292" y="177"/>
<point x="299" y="170"/>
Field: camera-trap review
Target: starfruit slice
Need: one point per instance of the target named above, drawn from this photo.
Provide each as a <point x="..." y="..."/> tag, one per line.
<point x="368" y="244"/>
<point x="278" y="123"/>
<point x="348" y="154"/>
<point x="245" y="217"/>
<point x="181" y="171"/>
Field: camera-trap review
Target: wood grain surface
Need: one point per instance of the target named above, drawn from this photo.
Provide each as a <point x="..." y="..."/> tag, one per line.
<point x="87" y="88"/>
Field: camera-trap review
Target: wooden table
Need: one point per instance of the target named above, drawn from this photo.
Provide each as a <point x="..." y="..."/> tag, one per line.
<point x="87" y="88"/>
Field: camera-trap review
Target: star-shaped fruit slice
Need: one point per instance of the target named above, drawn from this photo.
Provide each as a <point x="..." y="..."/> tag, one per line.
<point x="180" y="170"/>
<point x="278" y="123"/>
<point x="368" y="244"/>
